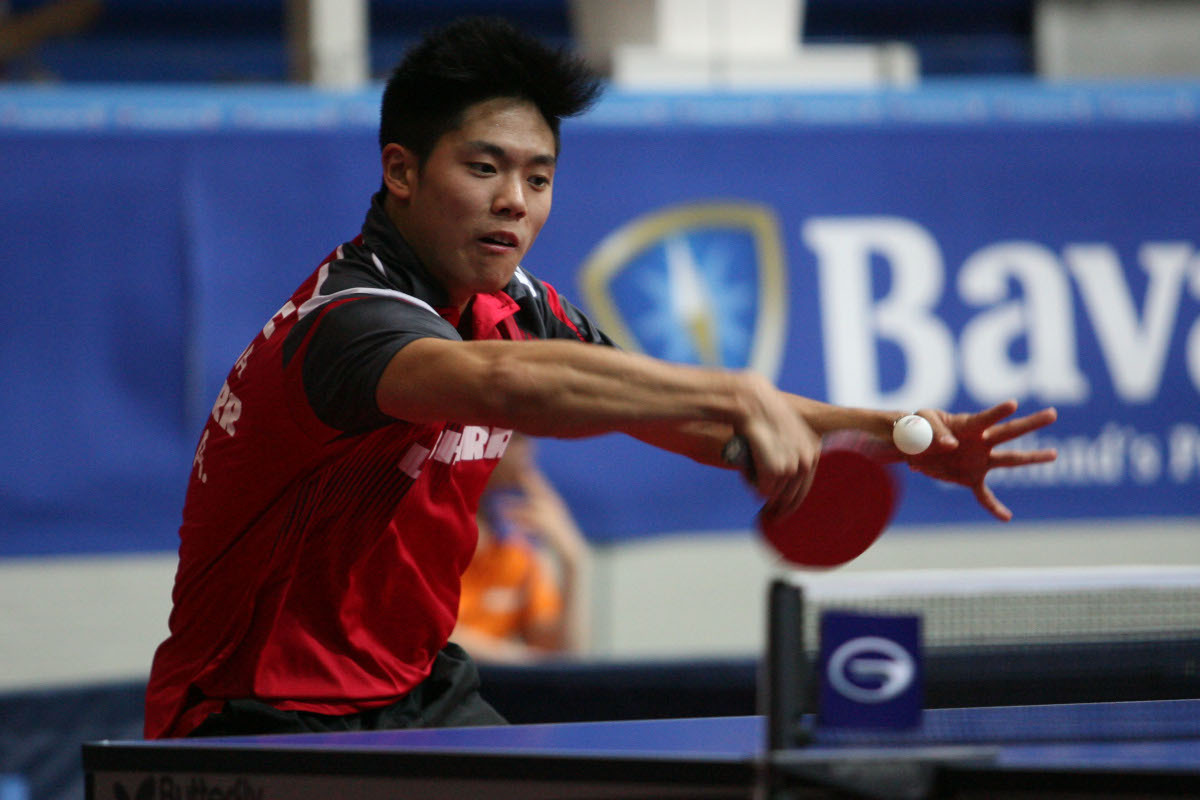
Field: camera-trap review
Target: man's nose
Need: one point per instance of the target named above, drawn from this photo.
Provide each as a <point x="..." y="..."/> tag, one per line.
<point x="510" y="198"/>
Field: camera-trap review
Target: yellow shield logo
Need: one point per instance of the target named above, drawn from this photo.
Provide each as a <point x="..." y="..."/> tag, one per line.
<point x="701" y="283"/>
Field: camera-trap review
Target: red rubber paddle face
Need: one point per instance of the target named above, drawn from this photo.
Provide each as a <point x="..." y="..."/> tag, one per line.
<point x="848" y="506"/>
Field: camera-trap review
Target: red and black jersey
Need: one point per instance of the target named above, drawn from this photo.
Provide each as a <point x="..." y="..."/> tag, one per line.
<point x="322" y="541"/>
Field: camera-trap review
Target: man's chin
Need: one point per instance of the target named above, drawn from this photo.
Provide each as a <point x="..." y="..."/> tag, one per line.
<point x="491" y="278"/>
<point x="503" y="279"/>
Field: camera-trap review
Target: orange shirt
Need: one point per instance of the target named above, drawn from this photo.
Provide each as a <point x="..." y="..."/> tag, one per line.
<point x="506" y="591"/>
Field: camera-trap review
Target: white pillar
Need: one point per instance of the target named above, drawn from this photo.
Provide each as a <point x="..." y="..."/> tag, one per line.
<point x="1117" y="38"/>
<point x="710" y="44"/>
<point x="328" y="42"/>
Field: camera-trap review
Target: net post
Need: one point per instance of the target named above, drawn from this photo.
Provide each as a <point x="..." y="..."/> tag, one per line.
<point x="787" y="666"/>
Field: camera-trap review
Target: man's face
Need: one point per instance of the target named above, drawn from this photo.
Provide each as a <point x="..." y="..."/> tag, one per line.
<point x="481" y="198"/>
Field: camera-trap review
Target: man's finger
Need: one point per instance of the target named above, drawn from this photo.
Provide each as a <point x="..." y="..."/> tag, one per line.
<point x="982" y="420"/>
<point x="943" y="438"/>
<point x="1012" y="429"/>
<point x="794" y="493"/>
<point x="988" y="500"/>
<point x="1021" y="458"/>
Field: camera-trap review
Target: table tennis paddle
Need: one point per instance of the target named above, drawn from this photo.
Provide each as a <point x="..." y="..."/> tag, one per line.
<point x="849" y="504"/>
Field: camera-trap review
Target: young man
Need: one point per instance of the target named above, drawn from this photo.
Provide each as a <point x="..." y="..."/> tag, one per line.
<point x="331" y="506"/>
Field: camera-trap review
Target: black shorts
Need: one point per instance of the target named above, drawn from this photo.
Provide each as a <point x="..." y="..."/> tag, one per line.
<point x="449" y="697"/>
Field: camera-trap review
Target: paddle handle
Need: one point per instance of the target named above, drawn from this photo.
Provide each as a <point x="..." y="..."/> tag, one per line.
<point x="736" y="453"/>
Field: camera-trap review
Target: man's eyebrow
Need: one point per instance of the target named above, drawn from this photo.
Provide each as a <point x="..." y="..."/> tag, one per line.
<point x="498" y="152"/>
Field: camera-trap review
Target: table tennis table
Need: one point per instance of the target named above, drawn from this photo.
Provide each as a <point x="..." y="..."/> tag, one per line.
<point x="1133" y="748"/>
<point x="1129" y="749"/>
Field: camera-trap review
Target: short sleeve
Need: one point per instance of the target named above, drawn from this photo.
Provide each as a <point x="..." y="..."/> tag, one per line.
<point x="353" y="341"/>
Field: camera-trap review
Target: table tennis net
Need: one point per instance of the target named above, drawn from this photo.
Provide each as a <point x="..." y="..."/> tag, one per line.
<point x="982" y="607"/>
<point x="1025" y="636"/>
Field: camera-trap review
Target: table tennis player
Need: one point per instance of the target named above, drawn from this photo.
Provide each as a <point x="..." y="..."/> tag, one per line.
<point x="331" y="503"/>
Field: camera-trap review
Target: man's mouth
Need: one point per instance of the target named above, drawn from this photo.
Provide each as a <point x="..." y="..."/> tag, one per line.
<point x="499" y="239"/>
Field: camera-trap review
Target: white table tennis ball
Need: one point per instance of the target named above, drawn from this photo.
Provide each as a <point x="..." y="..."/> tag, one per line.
<point x="912" y="434"/>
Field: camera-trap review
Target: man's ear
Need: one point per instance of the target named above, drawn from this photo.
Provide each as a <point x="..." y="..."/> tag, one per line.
<point x="399" y="170"/>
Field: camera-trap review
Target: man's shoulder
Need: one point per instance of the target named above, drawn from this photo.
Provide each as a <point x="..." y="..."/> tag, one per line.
<point x="353" y="271"/>
<point x="552" y="314"/>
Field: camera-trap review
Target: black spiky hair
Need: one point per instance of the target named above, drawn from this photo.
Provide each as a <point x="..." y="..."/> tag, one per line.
<point x="472" y="60"/>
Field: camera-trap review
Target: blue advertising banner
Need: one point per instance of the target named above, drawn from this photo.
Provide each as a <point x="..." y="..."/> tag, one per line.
<point x="951" y="259"/>
<point x="950" y="246"/>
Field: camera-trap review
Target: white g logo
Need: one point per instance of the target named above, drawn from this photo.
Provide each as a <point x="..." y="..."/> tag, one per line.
<point x="886" y="666"/>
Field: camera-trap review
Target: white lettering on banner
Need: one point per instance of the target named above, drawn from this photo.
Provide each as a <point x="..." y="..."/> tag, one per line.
<point x="1024" y="292"/>
<point x="850" y="321"/>
<point x="1042" y="314"/>
<point x="1184" y="452"/>
<point x="1117" y="455"/>
<point x="1135" y="351"/>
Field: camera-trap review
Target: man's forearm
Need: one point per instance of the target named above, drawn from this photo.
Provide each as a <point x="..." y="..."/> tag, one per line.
<point x="703" y="441"/>
<point x="556" y="388"/>
<point x="825" y="418"/>
<point x="570" y="389"/>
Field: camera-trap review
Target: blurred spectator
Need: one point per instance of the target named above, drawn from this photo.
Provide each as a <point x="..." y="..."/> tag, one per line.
<point x="22" y="32"/>
<point x="524" y="595"/>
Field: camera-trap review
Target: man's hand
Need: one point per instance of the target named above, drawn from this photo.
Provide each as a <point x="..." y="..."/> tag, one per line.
<point x="963" y="448"/>
<point x="783" y="446"/>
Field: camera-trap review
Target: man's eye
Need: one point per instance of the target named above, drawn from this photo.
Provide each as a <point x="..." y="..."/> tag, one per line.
<point x="539" y="181"/>
<point x="482" y="166"/>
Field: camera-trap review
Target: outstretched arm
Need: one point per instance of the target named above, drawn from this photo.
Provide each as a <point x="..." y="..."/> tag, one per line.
<point x="568" y="389"/>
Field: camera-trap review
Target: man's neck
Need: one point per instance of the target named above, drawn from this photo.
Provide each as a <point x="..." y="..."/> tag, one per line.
<point x="395" y="213"/>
